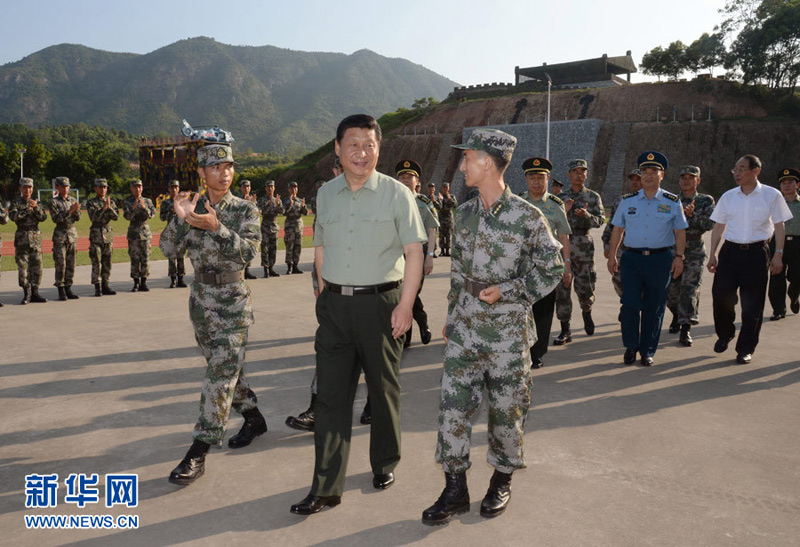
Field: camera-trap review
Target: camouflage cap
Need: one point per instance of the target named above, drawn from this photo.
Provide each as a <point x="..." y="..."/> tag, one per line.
<point x="26" y="182"/>
<point x="690" y="170"/>
<point x="407" y="166"/>
<point x="445" y="184"/>
<point x="213" y="154"/>
<point x="136" y="183"/>
<point x="432" y="184"/>
<point x="175" y="183"/>
<point x="103" y="183"/>
<point x="245" y="182"/>
<point x="634" y="173"/>
<point x="789" y="173"/>
<point x="61" y="181"/>
<point x="491" y="141"/>
<point x="269" y="183"/>
<point x="578" y="164"/>
<point x="651" y="158"/>
<point x="537" y="165"/>
<point x="293" y="183"/>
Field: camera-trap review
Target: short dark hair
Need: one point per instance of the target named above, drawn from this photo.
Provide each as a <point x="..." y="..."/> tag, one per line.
<point x="499" y="162"/>
<point x="358" y="121"/>
<point x="753" y="161"/>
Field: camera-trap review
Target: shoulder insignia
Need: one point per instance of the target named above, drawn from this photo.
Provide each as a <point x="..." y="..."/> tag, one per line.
<point x="556" y="199"/>
<point x="423" y="199"/>
<point x="630" y="195"/>
<point x="671" y="196"/>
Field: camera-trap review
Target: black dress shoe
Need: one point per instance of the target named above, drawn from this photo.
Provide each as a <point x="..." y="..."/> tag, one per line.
<point x="305" y="420"/>
<point x="647" y="361"/>
<point x="536" y="362"/>
<point x="383" y="481"/>
<point x="630" y="356"/>
<point x="722" y="344"/>
<point x="425" y="335"/>
<point x="744" y="358"/>
<point x="795" y="306"/>
<point x="254" y="425"/>
<point x="777" y="316"/>
<point x="588" y="323"/>
<point x="314" y="504"/>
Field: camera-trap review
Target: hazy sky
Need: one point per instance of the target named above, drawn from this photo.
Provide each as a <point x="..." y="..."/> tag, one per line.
<point x="468" y="41"/>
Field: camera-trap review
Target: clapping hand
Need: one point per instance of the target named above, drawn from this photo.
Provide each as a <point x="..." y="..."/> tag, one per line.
<point x="185" y="209"/>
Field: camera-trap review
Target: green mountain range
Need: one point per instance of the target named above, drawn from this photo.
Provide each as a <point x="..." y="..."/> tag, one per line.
<point x="271" y="99"/>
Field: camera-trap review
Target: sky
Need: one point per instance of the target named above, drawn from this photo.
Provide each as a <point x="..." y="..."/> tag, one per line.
<point x="468" y="41"/>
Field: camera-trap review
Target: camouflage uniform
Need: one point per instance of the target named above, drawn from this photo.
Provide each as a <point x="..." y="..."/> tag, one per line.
<point x="293" y="229"/>
<point x="101" y="237"/>
<point x="428" y="216"/>
<point x="616" y="279"/>
<point x="221" y="313"/>
<point x="27" y="241"/>
<point x="684" y="292"/>
<point x="3" y="220"/>
<point x="270" y="209"/>
<point x="511" y="246"/>
<point x="175" y="264"/>
<point x="447" y="206"/>
<point x="65" y="236"/>
<point x="139" y="234"/>
<point x="581" y="243"/>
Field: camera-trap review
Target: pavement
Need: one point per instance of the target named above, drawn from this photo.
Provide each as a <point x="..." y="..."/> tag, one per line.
<point x="693" y="451"/>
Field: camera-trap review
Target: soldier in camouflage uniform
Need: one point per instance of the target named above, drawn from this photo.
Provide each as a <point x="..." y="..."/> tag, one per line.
<point x="294" y="209"/>
<point x="557" y="188"/>
<point x="65" y="211"/>
<point x="584" y="212"/>
<point x="634" y="184"/>
<point x="244" y="193"/>
<point x="448" y="205"/>
<point x="504" y="260"/>
<point x="270" y="206"/>
<point x="221" y="234"/>
<point x="684" y="292"/>
<point x="101" y="210"/>
<point x="176" y="268"/>
<point x="138" y="210"/>
<point x="27" y="213"/>
<point x="3" y="220"/>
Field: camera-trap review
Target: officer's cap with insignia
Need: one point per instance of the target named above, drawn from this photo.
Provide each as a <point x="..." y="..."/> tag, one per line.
<point x="537" y="165"/>
<point x="100" y="183"/>
<point x="690" y="170"/>
<point x="789" y="173"/>
<point x="269" y="183"/>
<point x="62" y="181"/>
<point x="293" y="184"/>
<point x="175" y="183"/>
<point x="245" y="182"/>
<point x="408" y="166"/>
<point x="634" y="173"/>
<point x="491" y="141"/>
<point x="26" y="181"/>
<point x="651" y="158"/>
<point x="136" y="183"/>
<point x="577" y="164"/>
<point x="556" y="182"/>
<point x="213" y="154"/>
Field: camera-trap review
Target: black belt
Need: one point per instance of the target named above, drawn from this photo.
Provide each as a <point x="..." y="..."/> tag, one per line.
<point x="474" y="288"/>
<point x="211" y="278"/>
<point x="350" y="290"/>
<point x="694" y="237"/>
<point x="646" y="252"/>
<point x="747" y="246"/>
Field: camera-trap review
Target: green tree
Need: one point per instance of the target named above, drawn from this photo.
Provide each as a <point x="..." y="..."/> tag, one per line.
<point x="705" y="53"/>
<point x="670" y="62"/>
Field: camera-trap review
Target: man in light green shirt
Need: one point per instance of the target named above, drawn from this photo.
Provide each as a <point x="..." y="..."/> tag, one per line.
<point x="367" y="222"/>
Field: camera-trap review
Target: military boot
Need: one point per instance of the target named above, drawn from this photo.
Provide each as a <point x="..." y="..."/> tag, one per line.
<point x="266" y="272"/>
<point x="71" y="295"/>
<point x="35" y="296"/>
<point x="588" y="323"/>
<point x="454" y="500"/>
<point x="295" y="269"/>
<point x="26" y="296"/>
<point x="673" y="326"/>
<point x="686" y="337"/>
<point x="107" y="289"/>
<point x="254" y="425"/>
<point x="171" y="282"/>
<point x="192" y="466"/>
<point x="565" y="336"/>
<point x="143" y="285"/>
<point x="248" y="275"/>
<point x="273" y="273"/>
<point x="62" y="295"/>
<point x="180" y="284"/>
<point x="98" y="291"/>
<point x="496" y="499"/>
<point x="135" y="284"/>
<point x="305" y="420"/>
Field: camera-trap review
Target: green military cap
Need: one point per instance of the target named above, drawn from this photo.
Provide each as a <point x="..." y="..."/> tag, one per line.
<point x="62" y="181"/>
<point x="136" y="183"/>
<point x="577" y="164"/>
<point x="789" y="173"/>
<point x="634" y="173"/>
<point x="408" y="166"/>
<point x="293" y="183"/>
<point x="445" y="184"/>
<point x="491" y="141"/>
<point x="537" y="165"/>
<point x="213" y="154"/>
<point x="175" y="183"/>
<point x="25" y="181"/>
<point x="245" y="182"/>
<point x="690" y="170"/>
<point x="269" y="183"/>
<point x="431" y="184"/>
<point x="101" y="182"/>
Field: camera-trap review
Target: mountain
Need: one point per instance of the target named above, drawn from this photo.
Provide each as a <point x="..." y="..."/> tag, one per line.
<point x="271" y="99"/>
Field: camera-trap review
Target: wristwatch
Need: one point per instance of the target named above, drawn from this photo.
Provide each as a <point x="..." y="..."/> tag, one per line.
<point x="431" y="253"/>
<point x="681" y="257"/>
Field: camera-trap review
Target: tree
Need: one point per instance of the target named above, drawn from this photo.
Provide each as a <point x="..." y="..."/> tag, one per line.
<point x="705" y="53"/>
<point x="670" y="62"/>
<point x="653" y="62"/>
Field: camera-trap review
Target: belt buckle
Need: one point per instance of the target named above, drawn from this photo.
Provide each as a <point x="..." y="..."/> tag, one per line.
<point x="646" y="252"/>
<point x="347" y="290"/>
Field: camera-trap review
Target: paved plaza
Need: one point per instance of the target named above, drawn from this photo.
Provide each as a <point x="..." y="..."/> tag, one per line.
<point x="693" y="451"/>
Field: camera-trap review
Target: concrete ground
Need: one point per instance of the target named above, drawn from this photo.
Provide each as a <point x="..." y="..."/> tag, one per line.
<point x="694" y="451"/>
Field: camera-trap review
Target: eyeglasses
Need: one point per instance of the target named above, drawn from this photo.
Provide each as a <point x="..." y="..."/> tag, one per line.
<point x="739" y="170"/>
